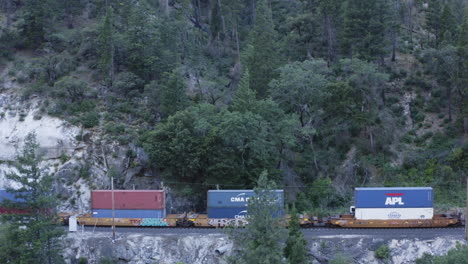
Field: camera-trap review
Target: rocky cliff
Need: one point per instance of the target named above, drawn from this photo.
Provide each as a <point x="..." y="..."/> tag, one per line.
<point x="203" y="248"/>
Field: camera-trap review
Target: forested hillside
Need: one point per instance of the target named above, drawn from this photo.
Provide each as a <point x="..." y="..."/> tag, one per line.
<point x="325" y="95"/>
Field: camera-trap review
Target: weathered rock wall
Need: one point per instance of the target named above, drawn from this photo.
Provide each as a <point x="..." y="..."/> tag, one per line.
<point x="195" y="248"/>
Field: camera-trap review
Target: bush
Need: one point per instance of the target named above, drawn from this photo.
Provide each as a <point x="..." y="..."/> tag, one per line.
<point x="82" y="260"/>
<point x="90" y="120"/>
<point x="340" y="259"/>
<point x="458" y="255"/>
<point x="383" y="252"/>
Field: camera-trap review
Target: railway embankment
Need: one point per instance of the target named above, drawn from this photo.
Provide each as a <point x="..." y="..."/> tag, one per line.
<point x="170" y="246"/>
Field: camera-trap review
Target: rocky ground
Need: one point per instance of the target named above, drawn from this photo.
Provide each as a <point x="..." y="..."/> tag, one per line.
<point x="212" y="247"/>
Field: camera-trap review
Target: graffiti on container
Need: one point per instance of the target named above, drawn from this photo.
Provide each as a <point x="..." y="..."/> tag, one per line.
<point x="135" y="221"/>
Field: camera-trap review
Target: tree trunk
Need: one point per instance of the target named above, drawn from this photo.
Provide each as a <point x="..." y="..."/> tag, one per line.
<point x="449" y="97"/>
<point x="222" y="18"/>
<point x="330" y="38"/>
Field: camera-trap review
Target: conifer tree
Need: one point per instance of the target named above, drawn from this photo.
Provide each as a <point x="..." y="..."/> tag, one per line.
<point x="173" y="97"/>
<point x="142" y="42"/>
<point x="35" y="22"/>
<point x="264" y="58"/>
<point x="244" y="99"/>
<point x="260" y="241"/>
<point x="433" y="20"/>
<point x="448" y="26"/>
<point x="462" y="78"/>
<point x="107" y="48"/>
<point x="295" y="250"/>
<point x="34" y="235"/>
<point x="364" y="29"/>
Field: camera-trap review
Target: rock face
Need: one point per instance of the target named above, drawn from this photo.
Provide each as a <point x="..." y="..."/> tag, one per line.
<point x="361" y="249"/>
<point x="141" y="248"/>
<point x="213" y="248"/>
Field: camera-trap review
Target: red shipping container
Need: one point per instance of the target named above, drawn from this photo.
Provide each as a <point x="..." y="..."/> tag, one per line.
<point x="128" y="199"/>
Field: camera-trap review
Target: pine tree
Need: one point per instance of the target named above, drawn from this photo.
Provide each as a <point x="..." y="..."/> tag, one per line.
<point x="448" y="26"/>
<point x="107" y="48"/>
<point x="142" y="42"/>
<point x="364" y="29"/>
<point x="35" y="22"/>
<point x="462" y="78"/>
<point x="433" y="20"/>
<point x="35" y="233"/>
<point x="260" y="241"/>
<point x="295" y="250"/>
<point x="244" y="99"/>
<point x="264" y="58"/>
<point x="173" y="96"/>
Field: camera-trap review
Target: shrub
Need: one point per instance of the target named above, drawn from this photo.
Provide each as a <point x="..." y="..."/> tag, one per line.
<point x="82" y="260"/>
<point x="383" y="252"/>
<point x="90" y="120"/>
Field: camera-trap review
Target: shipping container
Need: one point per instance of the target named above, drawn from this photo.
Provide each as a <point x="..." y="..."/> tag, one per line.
<point x="228" y="212"/>
<point x="234" y="213"/>
<point x="126" y="213"/>
<point x="237" y="198"/>
<point x="4" y="194"/>
<point x="393" y="213"/>
<point x="394" y="197"/>
<point x="128" y="199"/>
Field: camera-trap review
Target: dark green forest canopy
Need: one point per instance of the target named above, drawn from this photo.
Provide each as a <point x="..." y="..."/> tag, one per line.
<point x="325" y="95"/>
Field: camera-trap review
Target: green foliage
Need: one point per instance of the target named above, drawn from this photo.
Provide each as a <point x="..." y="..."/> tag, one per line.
<point x="455" y="255"/>
<point x="264" y="57"/>
<point x="90" y="119"/>
<point x="40" y="241"/>
<point x="364" y="29"/>
<point x="340" y="259"/>
<point x="383" y="252"/>
<point x="295" y="250"/>
<point x="210" y="145"/>
<point x="70" y="87"/>
<point x="260" y="240"/>
<point x="106" y="47"/>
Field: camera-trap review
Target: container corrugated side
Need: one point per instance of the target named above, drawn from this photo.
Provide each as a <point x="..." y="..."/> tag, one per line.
<point x="235" y="213"/>
<point x="237" y="198"/>
<point x="393" y="213"/>
<point x="394" y="197"/>
<point x="128" y="199"/>
<point x="230" y="212"/>
<point x="107" y="213"/>
<point x="8" y="195"/>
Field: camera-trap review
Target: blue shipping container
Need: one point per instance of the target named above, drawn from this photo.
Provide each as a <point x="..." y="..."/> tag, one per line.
<point x="394" y="197"/>
<point x="236" y="198"/>
<point x="7" y="195"/>
<point x="136" y="213"/>
<point x="232" y="213"/>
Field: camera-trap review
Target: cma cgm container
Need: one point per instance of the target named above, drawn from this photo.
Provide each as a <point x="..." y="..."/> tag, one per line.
<point x="234" y="213"/>
<point x="394" y="197"/>
<point x="119" y="213"/>
<point x="229" y="212"/>
<point x="393" y="213"/>
<point x="128" y="199"/>
<point x="237" y="198"/>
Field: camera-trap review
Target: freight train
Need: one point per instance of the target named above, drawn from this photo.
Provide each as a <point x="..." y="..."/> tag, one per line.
<point x="403" y="207"/>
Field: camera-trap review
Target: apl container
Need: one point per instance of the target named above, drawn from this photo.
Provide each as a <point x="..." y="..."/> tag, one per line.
<point x="237" y="198"/>
<point x="128" y="199"/>
<point x="119" y="213"/>
<point x="394" y="197"/>
<point x="393" y="213"/>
